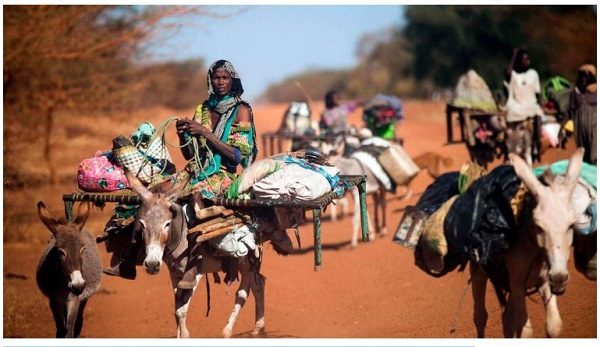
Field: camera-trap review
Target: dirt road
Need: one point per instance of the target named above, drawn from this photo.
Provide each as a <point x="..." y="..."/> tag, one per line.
<point x="374" y="291"/>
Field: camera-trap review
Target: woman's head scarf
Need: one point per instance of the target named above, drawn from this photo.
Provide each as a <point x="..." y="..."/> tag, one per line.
<point x="236" y="84"/>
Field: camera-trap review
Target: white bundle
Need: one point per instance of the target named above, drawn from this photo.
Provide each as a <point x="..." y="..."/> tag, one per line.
<point x="294" y="182"/>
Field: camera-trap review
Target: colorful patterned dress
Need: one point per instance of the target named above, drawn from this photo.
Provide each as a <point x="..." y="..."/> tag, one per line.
<point x="215" y="173"/>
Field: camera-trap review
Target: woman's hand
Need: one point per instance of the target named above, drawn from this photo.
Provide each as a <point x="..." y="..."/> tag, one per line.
<point x="192" y="127"/>
<point x="181" y="125"/>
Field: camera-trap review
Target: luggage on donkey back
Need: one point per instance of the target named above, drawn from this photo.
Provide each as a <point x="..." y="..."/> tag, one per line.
<point x="462" y="216"/>
<point x="101" y="173"/>
<point x="144" y="154"/>
<point x="412" y="225"/>
<point x="398" y="164"/>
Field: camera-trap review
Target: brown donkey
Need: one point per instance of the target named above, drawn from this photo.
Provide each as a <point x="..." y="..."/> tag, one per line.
<point x="70" y="270"/>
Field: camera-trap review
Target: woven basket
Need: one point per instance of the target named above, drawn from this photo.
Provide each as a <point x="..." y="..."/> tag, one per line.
<point x="398" y="164"/>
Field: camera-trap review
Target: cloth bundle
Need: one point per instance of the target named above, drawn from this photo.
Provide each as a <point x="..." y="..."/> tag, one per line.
<point x="286" y="178"/>
<point x="382" y="110"/>
<point x="101" y="174"/>
<point x="293" y="183"/>
<point x="472" y="92"/>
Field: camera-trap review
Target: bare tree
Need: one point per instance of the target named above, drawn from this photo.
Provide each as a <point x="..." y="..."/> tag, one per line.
<point x="77" y="57"/>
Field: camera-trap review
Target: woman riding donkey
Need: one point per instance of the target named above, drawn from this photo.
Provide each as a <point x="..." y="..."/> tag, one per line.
<point x="219" y="137"/>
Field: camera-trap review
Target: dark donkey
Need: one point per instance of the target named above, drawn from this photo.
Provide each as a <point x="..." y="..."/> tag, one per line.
<point x="70" y="269"/>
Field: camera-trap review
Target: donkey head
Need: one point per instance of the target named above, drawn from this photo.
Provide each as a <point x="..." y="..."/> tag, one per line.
<point x="68" y="245"/>
<point x="154" y="219"/>
<point x="519" y="140"/>
<point x="553" y="216"/>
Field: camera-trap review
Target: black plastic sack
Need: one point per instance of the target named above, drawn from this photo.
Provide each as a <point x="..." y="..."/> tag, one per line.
<point x="438" y="192"/>
<point x="480" y="223"/>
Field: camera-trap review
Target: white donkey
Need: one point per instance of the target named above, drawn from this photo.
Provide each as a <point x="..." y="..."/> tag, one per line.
<point x="165" y="236"/>
<point x="351" y="166"/>
<point x="538" y="258"/>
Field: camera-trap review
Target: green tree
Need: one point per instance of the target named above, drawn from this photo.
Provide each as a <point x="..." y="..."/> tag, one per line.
<point x="449" y="40"/>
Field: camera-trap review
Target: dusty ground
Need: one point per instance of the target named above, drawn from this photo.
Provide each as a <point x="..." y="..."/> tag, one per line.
<point x="373" y="291"/>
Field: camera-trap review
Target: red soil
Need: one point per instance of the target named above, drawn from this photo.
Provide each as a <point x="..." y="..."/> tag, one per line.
<point x="372" y="291"/>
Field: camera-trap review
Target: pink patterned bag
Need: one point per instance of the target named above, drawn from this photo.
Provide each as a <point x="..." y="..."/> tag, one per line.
<point x="99" y="174"/>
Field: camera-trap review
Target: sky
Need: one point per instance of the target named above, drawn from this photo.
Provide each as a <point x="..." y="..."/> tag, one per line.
<point x="269" y="43"/>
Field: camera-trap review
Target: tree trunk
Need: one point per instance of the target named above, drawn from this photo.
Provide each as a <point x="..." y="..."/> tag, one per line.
<point x="47" y="145"/>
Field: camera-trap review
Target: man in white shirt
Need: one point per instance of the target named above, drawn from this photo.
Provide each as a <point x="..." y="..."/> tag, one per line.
<point x="524" y="95"/>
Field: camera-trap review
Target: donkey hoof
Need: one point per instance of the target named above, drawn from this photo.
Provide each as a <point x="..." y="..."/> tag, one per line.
<point x="383" y="232"/>
<point x="227" y="333"/>
<point x="258" y="331"/>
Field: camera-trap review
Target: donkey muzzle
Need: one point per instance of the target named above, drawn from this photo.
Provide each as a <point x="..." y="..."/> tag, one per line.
<point x="152" y="266"/>
<point x="153" y="260"/>
<point x="558" y="282"/>
<point x="76" y="282"/>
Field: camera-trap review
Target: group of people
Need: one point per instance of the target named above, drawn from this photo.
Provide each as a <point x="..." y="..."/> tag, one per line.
<point x="524" y="102"/>
<point x="221" y="137"/>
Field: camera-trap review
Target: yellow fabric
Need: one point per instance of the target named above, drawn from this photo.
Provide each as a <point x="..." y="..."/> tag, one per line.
<point x="469" y="172"/>
<point x="569" y="126"/>
<point x="435" y="246"/>
<point x="516" y="203"/>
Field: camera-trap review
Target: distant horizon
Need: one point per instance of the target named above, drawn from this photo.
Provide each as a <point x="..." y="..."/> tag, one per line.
<point x="269" y="43"/>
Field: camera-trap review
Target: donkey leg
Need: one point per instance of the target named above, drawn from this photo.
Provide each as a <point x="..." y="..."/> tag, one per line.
<point x="58" y="312"/>
<point x="553" y="319"/>
<point x="79" y="319"/>
<point x="479" y="281"/>
<point x="72" y="310"/>
<point x="376" y="209"/>
<point x="182" y="304"/>
<point x="333" y="211"/>
<point x="344" y="205"/>
<point x="258" y="289"/>
<point x="515" y="320"/>
<point x="382" y="194"/>
<point x="240" y="299"/>
<point x="407" y="194"/>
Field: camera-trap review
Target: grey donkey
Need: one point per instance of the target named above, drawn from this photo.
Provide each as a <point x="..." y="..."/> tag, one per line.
<point x="70" y="269"/>
<point x="519" y="140"/>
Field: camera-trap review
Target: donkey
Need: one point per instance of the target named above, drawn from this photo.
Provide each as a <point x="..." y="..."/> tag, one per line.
<point x="519" y="140"/>
<point x="538" y="258"/>
<point x="164" y="231"/>
<point x="351" y="166"/>
<point x="429" y="161"/>
<point x="70" y="270"/>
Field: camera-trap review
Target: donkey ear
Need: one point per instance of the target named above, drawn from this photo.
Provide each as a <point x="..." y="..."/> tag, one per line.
<point x="83" y="212"/>
<point x="176" y="190"/>
<point x="525" y="173"/>
<point x="137" y="186"/>
<point x="574" y="168"/>
<point x="47" y="218"/>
